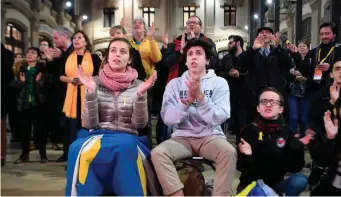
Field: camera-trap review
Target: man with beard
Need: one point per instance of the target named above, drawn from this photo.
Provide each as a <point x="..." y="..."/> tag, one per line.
<point x="234" y="74"/>
<point x="322" y="57"/>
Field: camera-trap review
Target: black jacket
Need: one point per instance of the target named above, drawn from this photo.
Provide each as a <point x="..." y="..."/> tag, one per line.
<point x="273" y="71"/>
<point x="7" y="76"/>
<point x="273" y="155"/>
<point x="320" y="103"/>
<point x="40" y="87"/>
<point x="326" y="153"/>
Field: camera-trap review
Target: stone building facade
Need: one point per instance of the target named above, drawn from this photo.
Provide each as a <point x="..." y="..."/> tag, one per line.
<point x="25" y="22"/>
<point x="221" y="18"/>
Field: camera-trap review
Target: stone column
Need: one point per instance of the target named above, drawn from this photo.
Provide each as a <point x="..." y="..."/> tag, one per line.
<point x="335" y="16"/>
<point x="315" y="18"/>
<point x="35" y="31"/>
<point x="290" y="25"/>
<point x="78" y="20"/>
<point x="3" y="21"/>
<point x="60" y="19"/>
<point x="298" y="21"/>
<point x="209" y="17"/>
<point x="128" y="14"/>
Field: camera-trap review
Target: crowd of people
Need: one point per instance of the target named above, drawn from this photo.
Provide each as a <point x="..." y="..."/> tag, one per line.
<point x="276" y="97"/>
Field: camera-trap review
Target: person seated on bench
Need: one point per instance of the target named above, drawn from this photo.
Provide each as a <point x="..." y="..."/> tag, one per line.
<point x="268" y="150"/>
<point x="108" y="158"/>
<point x="195" y="105"/>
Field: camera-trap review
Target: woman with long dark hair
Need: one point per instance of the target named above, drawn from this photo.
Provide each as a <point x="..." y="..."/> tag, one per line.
<point x="74" y="100"/>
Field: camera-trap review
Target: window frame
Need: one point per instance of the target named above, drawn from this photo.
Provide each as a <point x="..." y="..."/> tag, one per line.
<point x="11" y="40"/>
<point x="228" y="10"/>
<point x="148" y="12"/>
<point x="189" y="13"/>
<point x="111" y="17"/>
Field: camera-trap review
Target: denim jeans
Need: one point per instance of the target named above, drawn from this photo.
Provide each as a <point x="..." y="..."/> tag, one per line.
<point x="293" y="186"/>
<point x="298" y="112"/>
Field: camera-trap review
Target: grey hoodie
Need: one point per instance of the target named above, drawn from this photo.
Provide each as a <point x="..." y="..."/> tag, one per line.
<point x="201" y="118"/>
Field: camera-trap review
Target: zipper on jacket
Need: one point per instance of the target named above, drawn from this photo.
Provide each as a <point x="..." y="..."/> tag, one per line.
<point x="116" y="112"/>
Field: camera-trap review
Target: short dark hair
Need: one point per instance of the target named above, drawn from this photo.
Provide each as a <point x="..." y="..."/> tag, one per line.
<point x="306" y="42"/>
<point x="45" y="40"/>
<point x="331" y="25"/>
<point x="274" y="90"/>
<point x="35" y="49"/>
<point x="237" y="38"/>
<point x="201" y="42"/>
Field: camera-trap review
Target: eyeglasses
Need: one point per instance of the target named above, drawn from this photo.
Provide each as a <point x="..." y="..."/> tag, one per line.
<point x="192" y="22"/>
<point x="272" y="102"/>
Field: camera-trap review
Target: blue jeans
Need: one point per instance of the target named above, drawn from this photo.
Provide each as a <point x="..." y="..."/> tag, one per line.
<point x="293" y="186"/>
<point x="298" y="112"/>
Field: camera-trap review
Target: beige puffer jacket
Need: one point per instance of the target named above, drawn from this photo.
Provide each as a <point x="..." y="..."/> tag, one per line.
<point x="125" y="112"/>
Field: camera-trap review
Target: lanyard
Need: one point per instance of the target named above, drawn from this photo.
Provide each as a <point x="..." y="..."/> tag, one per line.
<point x="324" y="59"/>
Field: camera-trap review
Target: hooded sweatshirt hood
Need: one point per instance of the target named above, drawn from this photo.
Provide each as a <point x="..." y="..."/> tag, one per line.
<point x="198" y="119"/>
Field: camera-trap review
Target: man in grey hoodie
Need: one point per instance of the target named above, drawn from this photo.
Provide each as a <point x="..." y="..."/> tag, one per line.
<point x="195" y="105"/>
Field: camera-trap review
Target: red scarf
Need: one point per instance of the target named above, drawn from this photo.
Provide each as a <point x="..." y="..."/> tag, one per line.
<point x="116" y="81"/>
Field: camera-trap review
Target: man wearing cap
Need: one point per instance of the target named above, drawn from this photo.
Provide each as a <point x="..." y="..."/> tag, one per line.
<point x="268" y="65"/>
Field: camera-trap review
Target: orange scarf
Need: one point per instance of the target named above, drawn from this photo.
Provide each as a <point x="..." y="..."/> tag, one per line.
<point x="71" y="67"/>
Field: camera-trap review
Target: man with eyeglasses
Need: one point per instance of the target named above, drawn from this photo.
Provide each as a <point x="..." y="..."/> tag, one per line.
<point x="173" y="60"/>
<point x="267" y="149"/>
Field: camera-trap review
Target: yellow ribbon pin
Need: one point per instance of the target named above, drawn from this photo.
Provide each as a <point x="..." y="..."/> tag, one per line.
<point x="124" y="101"/>
<point x="260" y="137"/>
<point x="334" y="111"/>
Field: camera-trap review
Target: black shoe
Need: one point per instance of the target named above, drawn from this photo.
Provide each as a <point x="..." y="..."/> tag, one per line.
<point x="43" y="159"/>
<point x="22" y="159"/>
<point x="61" y="159"/>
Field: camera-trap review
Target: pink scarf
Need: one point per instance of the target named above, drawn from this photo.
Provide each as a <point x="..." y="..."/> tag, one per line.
<point x="116" y="81"/>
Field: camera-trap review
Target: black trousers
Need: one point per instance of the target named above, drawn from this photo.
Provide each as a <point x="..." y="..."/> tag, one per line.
<point x="70" y="131"/>
<point x="326" y="189"/>
<point x="33" y="116"/>
<point x="53" y="127"/>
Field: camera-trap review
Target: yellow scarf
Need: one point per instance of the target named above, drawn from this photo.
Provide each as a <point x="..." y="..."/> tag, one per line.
<point x="71" y="67"/>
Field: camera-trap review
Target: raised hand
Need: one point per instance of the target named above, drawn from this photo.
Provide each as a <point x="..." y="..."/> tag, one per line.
<point x="147" y="84"/>
<point x="87" y="81"/>
<point x="331" y="127"/>
<point x="183" y="41"/>
<point x="244" y="147"/>
<point x="334" y="91"/>
<point x="38" y="77"/>
<point x="165" y="40"/>
<point x="22" y="77"/>
<point x="151" y="31"/>
<point x="258" y="43"/>
<point x="123" y="23"/>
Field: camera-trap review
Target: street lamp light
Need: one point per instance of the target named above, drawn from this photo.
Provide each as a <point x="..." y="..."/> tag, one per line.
<point x="85" y="17"/>
<point x="255" y="16"/>
<point x="68" y="4"/>
<point x="246" y="27"/>
<point x="269" y="1"/>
